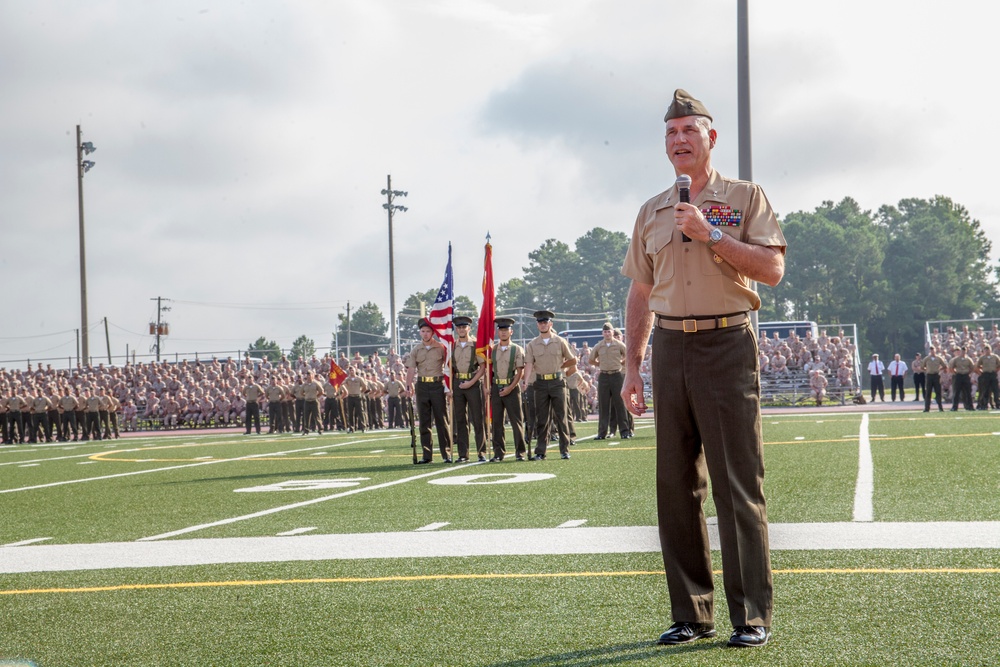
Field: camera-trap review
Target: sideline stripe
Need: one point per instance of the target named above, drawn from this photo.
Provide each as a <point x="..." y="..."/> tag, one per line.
<point x="445" y="577"/>
<point x="863" y="492"/>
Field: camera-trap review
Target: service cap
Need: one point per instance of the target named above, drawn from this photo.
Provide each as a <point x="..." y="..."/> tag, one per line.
<point x="685" y="105"/>
<point x="504" y="322"/>
<point x="462" y="321"/>
<point x="543" y="315"/>
<point x="607" y="327"/>
<point x="422" y="322"/>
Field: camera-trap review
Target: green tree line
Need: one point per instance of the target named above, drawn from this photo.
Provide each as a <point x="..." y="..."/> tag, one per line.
<point x="887" y="272"/>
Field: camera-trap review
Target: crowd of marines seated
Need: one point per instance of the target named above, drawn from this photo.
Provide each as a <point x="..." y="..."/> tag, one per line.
<point x="828" y="357"/>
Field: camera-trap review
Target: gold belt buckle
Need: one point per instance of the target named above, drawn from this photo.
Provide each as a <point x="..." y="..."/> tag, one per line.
<point x="692" y="323"/>
<point x="723" y="322"/>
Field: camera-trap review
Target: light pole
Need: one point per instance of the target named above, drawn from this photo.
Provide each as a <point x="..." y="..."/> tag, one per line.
<point x="82" y="167"/>
<point x="389" y="206"/>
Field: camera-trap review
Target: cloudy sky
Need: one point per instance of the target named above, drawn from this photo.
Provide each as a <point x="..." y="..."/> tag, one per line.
<point x="242" y="146"/>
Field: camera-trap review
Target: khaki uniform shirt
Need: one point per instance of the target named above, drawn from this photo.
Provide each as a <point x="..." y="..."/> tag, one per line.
<point x="275" y="394"/>
<point x="546" y="359"/>
<point x="464" y="360"/>
<point x="689" y="278"/>
<point x="393" y="387"/>
<point x="609" y="355"/>
<point x="355" y="385"/>
<point x="15" y="403"/>
<point x="933" y="365"/>
<point x="330" y="391"/>
<point x="40" y="404"/>
<point x="917" y="366"/>
<point x="94" y="404"/>
<point x="989" y="363"/>
<point x="312" y="390"/>
<point x="961" y="365"/>
<point x="252" y="392"/>
<point x="427" y="360"/>
<point x="68" y="403"/>
<point x="501" y="360"/>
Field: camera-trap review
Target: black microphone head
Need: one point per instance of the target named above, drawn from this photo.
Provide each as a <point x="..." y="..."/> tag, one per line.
<point x="683" y="181"/>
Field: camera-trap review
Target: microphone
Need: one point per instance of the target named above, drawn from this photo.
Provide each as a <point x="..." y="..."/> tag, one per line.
<point x="684" y="190"/>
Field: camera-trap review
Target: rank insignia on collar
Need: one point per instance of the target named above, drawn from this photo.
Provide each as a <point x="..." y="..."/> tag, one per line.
<point x="722" y="216"/>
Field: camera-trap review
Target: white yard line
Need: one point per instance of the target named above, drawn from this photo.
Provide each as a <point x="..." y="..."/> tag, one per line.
<point x="304" y="503"/>
<point x="177" y="467"/>
<point x="455" y="543"/>
<point x="863" y="509"/>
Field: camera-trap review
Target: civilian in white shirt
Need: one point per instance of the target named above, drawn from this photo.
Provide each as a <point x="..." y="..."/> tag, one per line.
<point x="875" y="370"/>
<point x="897" y="371"/>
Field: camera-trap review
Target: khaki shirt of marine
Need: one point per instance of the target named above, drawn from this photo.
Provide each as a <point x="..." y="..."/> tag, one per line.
<point x="393" y="387"/>
<point x="68" y="403"/>
<point x="15" y="403"/>
<point x="547" y="359"/>
<point x="428" y="362"/>
<point x="917" y="366"/>
<point x="989" y="363"/>
<point x="933" y="365"/>
<point x="355" y="385"/>
<point x="312" y="390"/>
<point x="685" y="277"/>
<point x="330" y="391"/>
<point x="275" y="394"/>
<point x="94" y="404"/>
<point x="252" y="392"/>
<point x="962" y="365"/>
<point x="40" y="404"/>
<point x="501" y="368"/>
<point x="610" y="357"/>
<point x="462" y="356"/>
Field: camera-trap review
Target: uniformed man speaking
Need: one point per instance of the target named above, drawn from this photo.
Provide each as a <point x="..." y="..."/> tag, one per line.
<point x="691" y="266"/>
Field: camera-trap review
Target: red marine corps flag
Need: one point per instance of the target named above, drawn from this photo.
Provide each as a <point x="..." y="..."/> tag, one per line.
<point x="484" y="331"/>
<point x="337" y="374"/>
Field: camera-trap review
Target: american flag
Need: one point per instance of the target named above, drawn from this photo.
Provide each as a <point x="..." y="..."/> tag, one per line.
<point x="441" y="315"/>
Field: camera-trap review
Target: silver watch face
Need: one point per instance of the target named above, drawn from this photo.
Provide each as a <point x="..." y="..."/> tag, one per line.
<point x="716" y="235"/>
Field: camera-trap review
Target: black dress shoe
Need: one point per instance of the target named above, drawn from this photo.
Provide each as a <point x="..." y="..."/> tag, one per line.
<point x="482" y="458"/>
<point x="496" y="459"/>
<point x="682" y="633"/>
<point x="519" y="457"/>
<point x="423" y="461"/>
<point x="749" y="635"/>
<point x="447" y="460"/>
<point x="598" y="437"/>
<point x="462" y="459"/>
<point x="565" y="456"/>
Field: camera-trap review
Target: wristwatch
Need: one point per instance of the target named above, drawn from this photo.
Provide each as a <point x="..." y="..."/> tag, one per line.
<point x="714" y="237"/>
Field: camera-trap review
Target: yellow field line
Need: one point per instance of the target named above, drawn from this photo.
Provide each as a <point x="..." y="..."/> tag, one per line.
<point x="442" y="577"/>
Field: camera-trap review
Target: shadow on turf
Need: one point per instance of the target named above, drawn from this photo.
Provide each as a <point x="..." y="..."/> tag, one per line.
<point x="618" y="654"/>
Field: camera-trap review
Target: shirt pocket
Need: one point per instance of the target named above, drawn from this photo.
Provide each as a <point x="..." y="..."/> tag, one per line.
<point x="659" y="234"/>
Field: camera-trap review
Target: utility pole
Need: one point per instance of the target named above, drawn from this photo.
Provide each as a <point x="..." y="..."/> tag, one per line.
<point x="743" y="106"/>
<point x="161" y="327"/>
<point x="82" y="167"/>
<point x="390" y="196"/>
<point x="107" y="339"/>
<point x="348" y="331"/>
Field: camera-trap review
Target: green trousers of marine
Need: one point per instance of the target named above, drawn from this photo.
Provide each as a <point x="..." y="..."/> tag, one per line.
<point x="706" y="401"/>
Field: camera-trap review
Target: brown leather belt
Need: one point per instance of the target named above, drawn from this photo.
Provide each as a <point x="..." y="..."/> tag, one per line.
<point x="700" y="323"/>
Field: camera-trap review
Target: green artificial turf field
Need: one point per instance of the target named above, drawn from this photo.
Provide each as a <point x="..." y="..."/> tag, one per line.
<point x="833" y="606"/>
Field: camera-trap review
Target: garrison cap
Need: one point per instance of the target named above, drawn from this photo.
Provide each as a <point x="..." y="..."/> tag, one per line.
<point x="685" y="105"/>
<point x="504" y="322"/>
<point x="462" y="321"/>
<point x="607" y="327"/>
<point x="542" y="315"/>
<point x="422" y="322"/>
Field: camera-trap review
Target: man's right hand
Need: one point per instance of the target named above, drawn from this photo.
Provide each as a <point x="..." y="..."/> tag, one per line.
<point x="633" y="393"/>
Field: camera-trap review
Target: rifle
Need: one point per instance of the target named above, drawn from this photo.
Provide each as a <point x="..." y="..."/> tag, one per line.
<point x="413" y="428"/>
